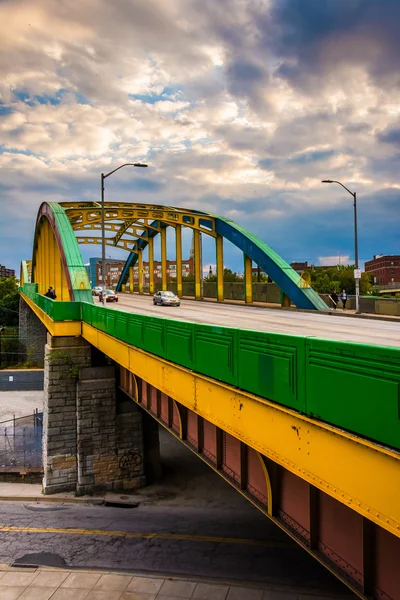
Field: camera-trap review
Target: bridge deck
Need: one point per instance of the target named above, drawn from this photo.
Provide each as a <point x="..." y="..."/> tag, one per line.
<point x="332" y="327"/>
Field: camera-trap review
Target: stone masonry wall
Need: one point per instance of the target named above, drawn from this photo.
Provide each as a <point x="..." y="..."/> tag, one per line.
<point x="64" y="356"/>
<point x="109" y="447"/>
<point x="32" y="334"/>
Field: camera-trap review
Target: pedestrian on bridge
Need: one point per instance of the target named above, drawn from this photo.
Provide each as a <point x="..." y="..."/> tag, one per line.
<point x="344" y="297"/>
<point x="335" y="299"/>
<point x="51" y="293"/>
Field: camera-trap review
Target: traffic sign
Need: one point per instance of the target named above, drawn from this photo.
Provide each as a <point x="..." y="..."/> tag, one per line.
<point x="357" y="273"/>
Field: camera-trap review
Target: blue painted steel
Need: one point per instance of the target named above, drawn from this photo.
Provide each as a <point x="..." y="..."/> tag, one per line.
<point x="132" y="258"/>
<point x="270" y="262"/>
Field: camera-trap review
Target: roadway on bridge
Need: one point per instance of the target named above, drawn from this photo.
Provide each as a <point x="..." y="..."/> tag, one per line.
<point x="367" y="331"/>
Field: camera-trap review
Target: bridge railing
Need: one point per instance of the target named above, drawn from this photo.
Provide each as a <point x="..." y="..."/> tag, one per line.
<point x="350" y="385"/>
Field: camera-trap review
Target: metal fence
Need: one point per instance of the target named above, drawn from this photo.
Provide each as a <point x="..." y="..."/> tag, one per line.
<point x="21" y="443"/>
<point x="12" y="347"/>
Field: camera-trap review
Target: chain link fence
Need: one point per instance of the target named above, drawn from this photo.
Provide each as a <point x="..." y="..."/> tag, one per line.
<point x="21" y="443"/>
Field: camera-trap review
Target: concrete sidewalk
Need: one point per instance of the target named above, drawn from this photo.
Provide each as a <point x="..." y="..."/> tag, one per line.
<point x="31" y="583"/>
<point x="29" y="492"/>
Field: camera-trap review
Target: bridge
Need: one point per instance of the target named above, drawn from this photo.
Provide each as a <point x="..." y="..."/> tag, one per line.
<point x="298" y="410"/>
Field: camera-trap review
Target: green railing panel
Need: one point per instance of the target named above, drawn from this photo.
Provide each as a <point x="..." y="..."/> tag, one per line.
<point x="216" y="352"/>
<point x="180" y="343"/>
<point x="154" y="336"/>
<point x="121" y="325"/>
<point x="135" y="333"/>
<point x="87" y="312"/>
<point x="110" y="320"/>
<point x="99" y="318"/>
<point x="356" y="387"/>
<point x="64" y="311"/>
<point x="271" y="365"/>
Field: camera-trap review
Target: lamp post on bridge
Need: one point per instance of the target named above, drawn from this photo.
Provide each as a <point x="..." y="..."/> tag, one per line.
<point x="103" y="241"/>
<point x="355" y="241"/>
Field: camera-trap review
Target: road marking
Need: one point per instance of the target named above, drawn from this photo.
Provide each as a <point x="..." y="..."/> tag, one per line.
<point x="147" y="536"/>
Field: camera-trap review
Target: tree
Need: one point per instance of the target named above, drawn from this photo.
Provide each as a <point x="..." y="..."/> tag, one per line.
<point x="9" y="301"/>
<point x="340" y="277"/>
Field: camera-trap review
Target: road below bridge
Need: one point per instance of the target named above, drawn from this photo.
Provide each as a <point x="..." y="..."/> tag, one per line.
<point x="326" y="326"/>
<point x="191" y="523"/>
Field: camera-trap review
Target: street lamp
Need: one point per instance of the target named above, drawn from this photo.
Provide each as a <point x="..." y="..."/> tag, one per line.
<point x="355" y="240"/>
<point x="103" y="241"/>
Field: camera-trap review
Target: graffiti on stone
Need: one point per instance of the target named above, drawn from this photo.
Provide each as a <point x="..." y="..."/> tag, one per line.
<point x="130" y="461"/>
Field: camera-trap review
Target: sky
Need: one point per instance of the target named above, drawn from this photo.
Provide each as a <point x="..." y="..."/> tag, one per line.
<point x="240" y="107"/>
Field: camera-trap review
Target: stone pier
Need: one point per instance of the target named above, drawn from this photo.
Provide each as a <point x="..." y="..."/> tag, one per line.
<point x="32" y="334"/>
<point x="90" y="444"/>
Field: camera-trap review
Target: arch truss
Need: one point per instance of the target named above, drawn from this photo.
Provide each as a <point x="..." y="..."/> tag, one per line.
<point x="133" y="227"/>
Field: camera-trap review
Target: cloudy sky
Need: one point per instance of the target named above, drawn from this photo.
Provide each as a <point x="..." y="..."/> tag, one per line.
<point x="240" y="107"/>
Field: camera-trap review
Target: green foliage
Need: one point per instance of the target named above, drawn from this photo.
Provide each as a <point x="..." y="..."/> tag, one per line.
<point x="228" y="276"/>
<point x="324" y="281"/>
<point x="9" y="302"/>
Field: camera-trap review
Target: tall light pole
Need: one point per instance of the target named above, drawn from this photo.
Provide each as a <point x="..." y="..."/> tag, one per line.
<point x="103" y="240"/>
<point x="355" y="240"/>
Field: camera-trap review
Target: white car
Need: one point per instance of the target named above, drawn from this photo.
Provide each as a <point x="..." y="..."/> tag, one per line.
<point x="166" y="299"/>
<point x="96" y="291"/>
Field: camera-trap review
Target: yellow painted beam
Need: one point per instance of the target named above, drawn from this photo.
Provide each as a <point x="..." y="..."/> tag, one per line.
<point x="151" y="265"/>
<point x="248" y="280"/>
<point x="141" y="271"/>
<point x="197" y="265"/>
<point x="131" y="283"/>
<point x="178" y="244"/>
<point x="56" y="328"/>
<point x="220" y="267"/>
<point x="164" y="278"/>
<point x="352" y="470"/>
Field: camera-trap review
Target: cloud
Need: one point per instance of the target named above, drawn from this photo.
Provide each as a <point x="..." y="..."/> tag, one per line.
<point x="241" y="107"/>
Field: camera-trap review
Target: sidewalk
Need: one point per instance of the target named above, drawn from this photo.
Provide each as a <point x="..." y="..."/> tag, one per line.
<point x="30" y="583"/>
<point x="30" y="492"/>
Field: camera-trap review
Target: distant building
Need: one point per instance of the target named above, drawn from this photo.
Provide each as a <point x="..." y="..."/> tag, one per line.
<point x="4" y="272"/>
<point x="299" y="266"/>
<point x="115" y="267"/>
<point x="384" y="268"/>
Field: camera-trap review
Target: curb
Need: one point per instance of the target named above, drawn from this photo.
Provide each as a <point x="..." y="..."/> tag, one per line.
<point x="50" y="499"/>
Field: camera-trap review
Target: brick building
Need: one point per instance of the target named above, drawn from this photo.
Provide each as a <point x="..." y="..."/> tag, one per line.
<point x="114" y="269"/>
<point x="384" y="268"/>
<point x="4" y="272"/>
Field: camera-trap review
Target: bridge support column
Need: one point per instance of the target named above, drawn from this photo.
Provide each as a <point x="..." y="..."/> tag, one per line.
<point x="109" y="445"/>
<point x="64" y="356"/>
<point x="131" y="283"/>
<point x="220" y="267"/>
<point x="32" y="334"/>
<point x="91" y="442"/>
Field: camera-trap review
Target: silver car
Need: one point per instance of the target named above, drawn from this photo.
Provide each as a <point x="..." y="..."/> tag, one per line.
<point x="166" y="299"/>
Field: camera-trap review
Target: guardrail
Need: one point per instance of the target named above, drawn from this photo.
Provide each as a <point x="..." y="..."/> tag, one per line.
<point x="350" y="385"/>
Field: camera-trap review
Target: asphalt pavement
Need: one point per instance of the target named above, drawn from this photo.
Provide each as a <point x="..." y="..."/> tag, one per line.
<point x="326" y="326"/>
<point x="190" y="524"/>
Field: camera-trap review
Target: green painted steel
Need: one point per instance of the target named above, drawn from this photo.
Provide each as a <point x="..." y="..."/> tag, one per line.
<point x="79" y="277"/>
<point x="352" y="386"/>
<point x="355" y="386"/>
<point x="272" y="365"/>
<point x="216" y="352"/>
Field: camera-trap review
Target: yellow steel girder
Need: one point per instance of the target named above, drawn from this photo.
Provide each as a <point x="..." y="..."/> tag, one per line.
<point x="56" y="328"/>
<point x="352" y="470"/>
<point x="88" y="215"/>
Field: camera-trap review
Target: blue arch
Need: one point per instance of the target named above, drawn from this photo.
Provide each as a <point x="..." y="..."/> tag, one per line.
<point x="263" y="255"/>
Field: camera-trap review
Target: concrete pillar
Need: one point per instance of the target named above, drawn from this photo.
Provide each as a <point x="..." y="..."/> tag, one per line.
<point x="109" y="446"/>
<point x="64" y="356"/>
<point x="32" y="335"/>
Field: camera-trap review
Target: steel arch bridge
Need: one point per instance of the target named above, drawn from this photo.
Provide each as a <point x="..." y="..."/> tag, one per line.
<point x="61" y="227"/>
